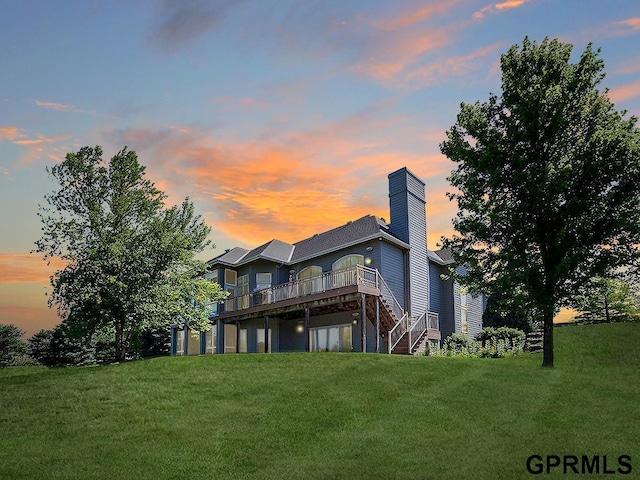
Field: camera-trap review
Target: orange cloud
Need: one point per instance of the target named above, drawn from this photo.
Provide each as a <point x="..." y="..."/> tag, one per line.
<point x="26" y="268"/>
<point x="11" y="133"/>
<point x="498" y="7"/>
<point x="30" y="319"/>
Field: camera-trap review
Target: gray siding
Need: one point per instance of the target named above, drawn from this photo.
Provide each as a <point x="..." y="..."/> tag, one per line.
<point x="446" y="309"/>
<point x="408" y="222"/>
<point x="392" y="270"/>
<point x="475" y="306"/>
<point x="435" y="287"/>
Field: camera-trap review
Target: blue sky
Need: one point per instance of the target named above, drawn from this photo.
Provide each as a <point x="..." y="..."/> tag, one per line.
<point x="278" y="118"/>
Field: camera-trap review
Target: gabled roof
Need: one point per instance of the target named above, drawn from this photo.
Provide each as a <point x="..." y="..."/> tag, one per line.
<point x="366" y="228"/>
<point x="443" y="256"/>
<point x="230" y="256"/>
<point x="336" y="238"/>
<point x="275" y="250"/>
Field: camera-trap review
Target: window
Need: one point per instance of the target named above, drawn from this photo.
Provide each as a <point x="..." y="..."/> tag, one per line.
<point x="193" y="343"/>
<point x="230" y="277"/>
<point x="243" y="341"/>
<point x="230" y="282"/>
<point x="230" y="338"/>
<point x="243" y="292"/>
<point x="263" y="280"/>
<point x="180" y="341"/>
<point x="464" y="323"/>
<point x="346" y="277"/>
<point x="212" y="276"/>
<point x="260" y="340"/>
<point x="211" y="339"/>
<point x="336" y="338"/>
<point x="310" y="280"/>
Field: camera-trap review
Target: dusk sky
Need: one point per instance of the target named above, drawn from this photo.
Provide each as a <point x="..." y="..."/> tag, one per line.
<point x="279" y="119"/>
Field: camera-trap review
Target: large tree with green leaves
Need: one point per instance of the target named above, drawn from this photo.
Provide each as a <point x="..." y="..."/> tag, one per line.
<point x="547" y="179"/>
<point x="130" y="261"/>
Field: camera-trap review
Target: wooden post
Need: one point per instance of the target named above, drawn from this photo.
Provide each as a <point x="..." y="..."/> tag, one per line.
<point x="377" y="324"/>
<point x="266" y="334"/>
<point x="307" y="316"/>
<point x="237" y="337"/>
<point x="363" y="322"/>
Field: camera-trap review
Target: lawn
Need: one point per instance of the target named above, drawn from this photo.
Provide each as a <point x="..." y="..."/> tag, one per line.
<point x="326" y="415"/>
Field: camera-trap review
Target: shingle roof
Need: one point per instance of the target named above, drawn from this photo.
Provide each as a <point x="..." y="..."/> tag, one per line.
<point x="274" y="250"/>
<point x="446" y="255"/>
<point x="231" y="256"/>
<point x="350" y="233"/>
<point x="333" y="239"/>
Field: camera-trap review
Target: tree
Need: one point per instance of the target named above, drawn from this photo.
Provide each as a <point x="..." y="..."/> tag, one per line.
<point x="609" y="299"/>
<point x="502" y="311"/>
<point x="130" y="261"/>
<point x="547" y="179"/>
<point x="13" y="351"/>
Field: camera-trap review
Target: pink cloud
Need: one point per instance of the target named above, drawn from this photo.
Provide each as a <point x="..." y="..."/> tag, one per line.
<point x="498" y="7"/>
<point x="413" y="16"/>
<point x="54" y="106"/>
<point x="624" y="92"/>
<point x="11" y="133"/>
<point x="632" y="23"/>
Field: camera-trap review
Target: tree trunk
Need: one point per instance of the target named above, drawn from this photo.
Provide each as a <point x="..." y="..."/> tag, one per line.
<point x="119" y="343"/>
<point x="547" y="345"/>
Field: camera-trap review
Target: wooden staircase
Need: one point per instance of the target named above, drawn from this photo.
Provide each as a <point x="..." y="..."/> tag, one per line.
<point x="407" y="336"/>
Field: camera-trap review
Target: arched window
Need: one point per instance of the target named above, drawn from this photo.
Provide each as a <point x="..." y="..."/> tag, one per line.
<point x="344" y="277"/>
<point x="310" y="280"/>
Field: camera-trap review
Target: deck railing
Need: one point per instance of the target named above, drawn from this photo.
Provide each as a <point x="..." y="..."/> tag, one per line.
<point x="356" y="275"/>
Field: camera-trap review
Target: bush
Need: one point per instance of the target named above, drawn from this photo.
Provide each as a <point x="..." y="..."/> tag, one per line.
<point x="490" y="342"/>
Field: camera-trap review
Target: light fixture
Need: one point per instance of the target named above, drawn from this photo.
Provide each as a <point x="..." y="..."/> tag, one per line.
<point x="300" y="327"/>
<point x="367" y="261"/>
<point x="292" y="271"/>
<point x="355" y="316"/>
<point x="369" y="248"/>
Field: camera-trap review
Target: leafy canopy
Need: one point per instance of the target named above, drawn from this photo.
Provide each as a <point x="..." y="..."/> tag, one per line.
<point x="547" y="180"/>
<point x="131" y="261"/>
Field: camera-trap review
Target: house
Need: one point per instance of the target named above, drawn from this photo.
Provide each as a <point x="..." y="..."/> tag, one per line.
<point x="366" y="286"/>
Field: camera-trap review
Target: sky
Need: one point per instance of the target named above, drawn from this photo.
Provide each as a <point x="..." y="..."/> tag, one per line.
<point x="279" y="119"/>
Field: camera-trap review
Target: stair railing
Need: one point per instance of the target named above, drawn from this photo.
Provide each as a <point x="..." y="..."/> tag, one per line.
<point x="416" y="331"/>
<point x="388" y="295"/>
<point x="397" y="332"/>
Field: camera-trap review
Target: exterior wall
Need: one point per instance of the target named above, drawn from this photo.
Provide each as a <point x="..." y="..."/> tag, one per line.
<point x="435" y="287"/>
<point x="475" y="305"/>
<point x="408" y="222"/>
<point x="326" y="261"/>
<point x="392" y="270"/>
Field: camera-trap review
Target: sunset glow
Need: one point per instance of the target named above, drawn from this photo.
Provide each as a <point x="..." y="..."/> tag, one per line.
<point x="279" y="120"/>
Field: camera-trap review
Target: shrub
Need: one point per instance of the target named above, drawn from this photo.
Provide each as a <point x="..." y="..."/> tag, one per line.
<point x="490" y="342"/>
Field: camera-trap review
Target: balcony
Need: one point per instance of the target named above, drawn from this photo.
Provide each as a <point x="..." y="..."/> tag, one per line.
<point x="338" y="285"/>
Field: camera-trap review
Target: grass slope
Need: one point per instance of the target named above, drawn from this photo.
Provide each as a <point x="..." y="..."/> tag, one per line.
<point x="325" y="415"/>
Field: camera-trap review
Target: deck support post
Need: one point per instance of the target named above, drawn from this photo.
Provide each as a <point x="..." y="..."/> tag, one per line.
<point x="237" y="337"/>
<point x="363" y="322"/>
<point x="377" y="324"/>
<point x="266" y="334"/>
<point x="306" y="328"/>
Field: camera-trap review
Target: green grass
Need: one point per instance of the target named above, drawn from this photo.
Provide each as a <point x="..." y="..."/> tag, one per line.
<point x="325" y="415"/>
